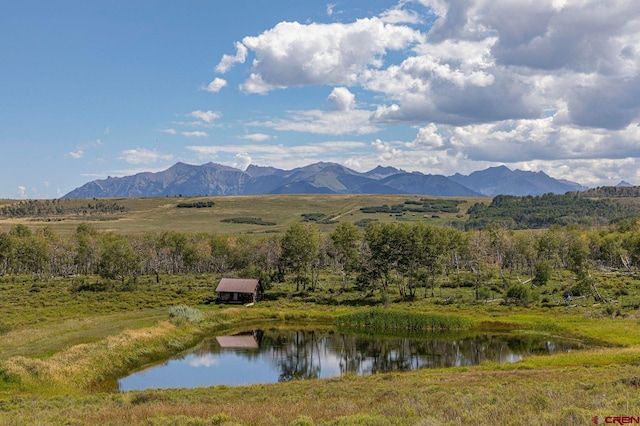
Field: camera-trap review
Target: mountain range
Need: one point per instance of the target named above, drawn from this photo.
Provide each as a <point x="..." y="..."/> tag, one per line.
<point x="320" y="178"/>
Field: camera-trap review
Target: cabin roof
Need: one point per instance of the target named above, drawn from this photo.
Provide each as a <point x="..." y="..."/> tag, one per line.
<point x="237" y="285"/>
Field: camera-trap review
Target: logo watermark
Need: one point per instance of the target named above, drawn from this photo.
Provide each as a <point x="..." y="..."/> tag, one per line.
<point x="615" y="420"/>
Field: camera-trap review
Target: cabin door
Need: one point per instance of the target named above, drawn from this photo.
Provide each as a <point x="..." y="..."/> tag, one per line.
<point x="235" y="297"/>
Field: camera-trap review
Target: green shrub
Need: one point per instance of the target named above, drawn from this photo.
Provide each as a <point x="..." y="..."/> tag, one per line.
<point x="484" y="293"/>
<point x="185" y="313"/>
<point x="520" y="294"/>
<point x="248" y="221"/>
<point x="4" y="329"/>
<point x="196" y="205"/>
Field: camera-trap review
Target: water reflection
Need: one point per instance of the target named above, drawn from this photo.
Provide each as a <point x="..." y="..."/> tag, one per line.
<point x="269" y="356"/>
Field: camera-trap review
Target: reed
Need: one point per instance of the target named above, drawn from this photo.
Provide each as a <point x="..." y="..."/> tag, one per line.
<point x="382" y="319"/>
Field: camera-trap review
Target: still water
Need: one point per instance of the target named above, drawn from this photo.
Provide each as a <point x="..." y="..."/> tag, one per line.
<point x="275" y="355"/>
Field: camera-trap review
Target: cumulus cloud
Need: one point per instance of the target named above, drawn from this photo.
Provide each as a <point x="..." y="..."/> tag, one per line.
<point x="542" y="54"/>
<point x="482" y="60"/>
<point x="294" y="54"/>
<point x="429" y="137"/>
<point x="386" y="150"/>
<point x="341" y="99"/>
<point x="169" y="131"/>
<point x="242" y="161"/>
<point x="144" y="156"/>
<point x="21" y="192"/>
<point x="228" y="61"/>
<point x="216" y="85"/>
<point x="77" y="154"/>
<point x="206" y="116"/>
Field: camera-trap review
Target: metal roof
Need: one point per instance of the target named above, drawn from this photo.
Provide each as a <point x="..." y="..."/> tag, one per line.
<point x="237" y="285"/>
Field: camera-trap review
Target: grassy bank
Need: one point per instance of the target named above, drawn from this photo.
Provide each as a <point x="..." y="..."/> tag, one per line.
<point x="557" y="396"/>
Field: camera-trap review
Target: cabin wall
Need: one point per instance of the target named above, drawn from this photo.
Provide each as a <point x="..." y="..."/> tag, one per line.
<point x="233" y="297"/>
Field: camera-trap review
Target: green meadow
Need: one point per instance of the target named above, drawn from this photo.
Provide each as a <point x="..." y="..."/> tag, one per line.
<point x="154" y="214"/>
<point x="65" y="340"/>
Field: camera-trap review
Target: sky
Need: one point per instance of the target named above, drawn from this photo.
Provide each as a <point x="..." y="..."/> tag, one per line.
<point x="91" y="89"/>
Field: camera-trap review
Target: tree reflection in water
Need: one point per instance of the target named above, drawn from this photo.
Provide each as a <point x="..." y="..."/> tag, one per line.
<point x="272" y="355"/>
<point x="301" y="354"/>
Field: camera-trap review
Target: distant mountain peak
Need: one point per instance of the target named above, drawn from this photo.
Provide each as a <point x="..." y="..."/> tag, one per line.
<point x="323" y="177"/>
<point x="500" y="180"/>
<point x="623" y="184"/>
<point x="381" y="172"/>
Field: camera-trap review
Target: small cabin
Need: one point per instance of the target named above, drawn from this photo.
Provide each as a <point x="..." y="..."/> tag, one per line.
<point x="239" y="290"/>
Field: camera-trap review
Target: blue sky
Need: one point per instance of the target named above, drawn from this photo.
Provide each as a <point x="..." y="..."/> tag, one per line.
<point x="90" y="89"/>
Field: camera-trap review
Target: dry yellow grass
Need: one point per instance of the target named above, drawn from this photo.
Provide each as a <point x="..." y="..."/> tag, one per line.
<point x="76" y="368"/>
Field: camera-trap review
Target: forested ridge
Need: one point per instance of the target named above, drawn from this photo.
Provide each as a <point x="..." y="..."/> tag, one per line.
<point x="551" y="209"/>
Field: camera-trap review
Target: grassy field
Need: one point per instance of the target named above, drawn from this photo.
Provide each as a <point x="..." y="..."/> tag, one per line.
<point x="59" y="344"/>
<point x="154" y="214"/>
<point x="62" y="340"/>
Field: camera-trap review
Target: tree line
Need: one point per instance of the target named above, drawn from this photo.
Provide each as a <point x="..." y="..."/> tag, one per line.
<point x="413" y="258"/>
<point x="537" y="212"/>
<point x="59" y="207"/>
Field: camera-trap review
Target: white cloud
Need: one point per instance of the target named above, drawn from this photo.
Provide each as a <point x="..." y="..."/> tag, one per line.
<point x="400" y="16"/>
<point x="482" y="61"/>
<point x="206" y="116"/>
<point x="83" y="148"/>
<point x="278" y="155"/>
<point x="491" y="54"/>
<point x="196" y="134"/>
<point x="242" y="161"/>
<point x="428" y="137"/>
<point x="294" y="54"/>
<point x="144" y="156"/>
<point x="216" y="85"/>
<point x="342" y="118"/>
<point x="169" y="131"/>
<point x="341" y="99"/>
<point x="257" y="137"/>
<point x="228" y="61"/>
<point x="386" y="151"/>
<point x="22" y="192"/>
<point x="325" y="122"/>
<point x="528" y="140"/>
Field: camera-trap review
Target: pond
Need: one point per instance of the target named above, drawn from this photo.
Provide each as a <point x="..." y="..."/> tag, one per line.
<point x="277" y="355"/>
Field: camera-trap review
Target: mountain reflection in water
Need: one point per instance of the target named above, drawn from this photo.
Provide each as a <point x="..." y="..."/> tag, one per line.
<point x="269" y="356"/>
